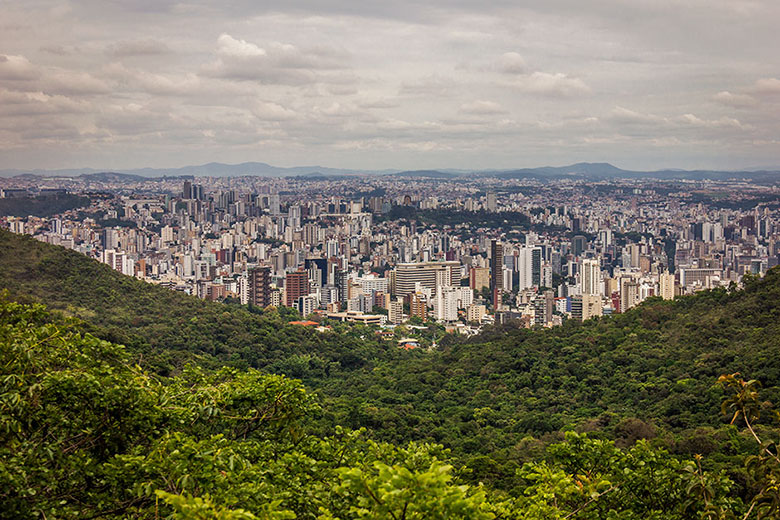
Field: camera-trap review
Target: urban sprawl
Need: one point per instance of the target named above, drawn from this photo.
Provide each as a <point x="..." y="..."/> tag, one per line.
<point x="387" y="250"/>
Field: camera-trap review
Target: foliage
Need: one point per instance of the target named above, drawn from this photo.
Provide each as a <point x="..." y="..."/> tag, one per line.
<point x="87" y="435"/>
<point x="84" y="435"/>
<point x="41" y="206"/>
<point x="496" y="401"/>
<point x="164" y="329"/>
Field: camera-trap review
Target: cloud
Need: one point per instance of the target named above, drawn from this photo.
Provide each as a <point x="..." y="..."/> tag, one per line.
<point x="158" y="80"/>
<point x="734" y="100"/>
<point x="624" y="115"/>
<point x="512" y="63"/>
<point x="276" y="63"/>
<point x="627" y="117"/>
<point x="481" y="107"/>
<point x="434" y="84"/>
<point x="557" y="85"/>
<point x="37" y="103"/>
<point x="72" y="83"/>
<point x="378" y="103"/>
<point x="270" y="111"/>
<point x="57" y="50"/>
<point x="229" y="46"/>
<point x="767" y="86"/>
<point x="18" y="73"/>
<point x="148" y="47"/>
<point x="17" y="68"/>
<point x="140" y="81"/>
<point x="723" y="122"/>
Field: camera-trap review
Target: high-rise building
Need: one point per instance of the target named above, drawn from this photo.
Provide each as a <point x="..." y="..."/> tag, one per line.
<point x="296" y="284"/>
<point x="479" y="278"/>
<point x="475" y="312"/>
<point x="666" y="286"/>
<point x="543" y="306"/>
<point x="590" y="276"/>
<point x="629" y="294"/>
<point x="259" y="286"/>
<point x="429" y="274"/>
<point x="311" y="234"/>
<point x="395" y="312"/>
<point x="496" y="266"/>
<point x="306" y="305"/>
<point x="578" y="245"/>
<point x="492" y="204"/>
<point x="445" y="304"/>
<point x="110" y="238"/>
<point x="536" y="266"/>
<point x="585" y="306"/>
<point x="418" y="306"/>
<point x="529" y="267"/>
<point x="318" y="270"/>
<point x="507" y="282"/>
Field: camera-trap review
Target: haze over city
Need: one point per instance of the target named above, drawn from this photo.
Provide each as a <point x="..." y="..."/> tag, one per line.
<point x="644" y="85"/>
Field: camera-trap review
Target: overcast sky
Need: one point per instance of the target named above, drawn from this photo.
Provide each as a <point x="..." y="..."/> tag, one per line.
<point x="374" y="84"/>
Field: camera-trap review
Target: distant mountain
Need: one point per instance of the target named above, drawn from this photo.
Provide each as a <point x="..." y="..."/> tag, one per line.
<point x="204" y="170"/>
<point x="111" y="177"/>
<point x="601" y="171"/>
<point x="428" y="174"/>
<point x="594" y="171"/>
<point x="239" y="170"/>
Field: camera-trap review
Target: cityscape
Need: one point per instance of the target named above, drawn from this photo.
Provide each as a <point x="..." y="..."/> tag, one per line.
<point x="410" y="247"/>
<point x="438" y="260"/>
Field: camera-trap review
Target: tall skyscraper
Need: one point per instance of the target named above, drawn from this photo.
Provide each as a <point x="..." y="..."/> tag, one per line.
<point x="590" y="277"/>
<point x="529" y="267"/>
<point x="318" y="267"/>
<point x="479" y="278"/>
<point x="296" y="284"/>
<point x="536" y="266"/>
<point x="492" y="204"/>
<point x="496" y="266"/>
<point x="578" y="244"/>
<point x="666" y="283"/>
<point x="259" y="286"/>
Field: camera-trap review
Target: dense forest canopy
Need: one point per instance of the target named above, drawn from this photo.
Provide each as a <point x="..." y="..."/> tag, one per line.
<point x="85" y="434"/>
<point x="42" y="205"/>
<point x="637" y="386"/>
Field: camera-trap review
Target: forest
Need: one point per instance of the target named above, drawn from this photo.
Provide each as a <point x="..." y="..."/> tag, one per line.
<point x="42" y="205"/>
<point x="580" y="421"/>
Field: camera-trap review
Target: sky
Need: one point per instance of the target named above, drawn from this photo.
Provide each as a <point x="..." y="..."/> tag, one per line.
<point x="376" y="84"/>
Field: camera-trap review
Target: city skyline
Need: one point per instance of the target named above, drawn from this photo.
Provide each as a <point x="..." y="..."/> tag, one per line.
<point x="465" y="251"/>
<point x="132" y="84"/>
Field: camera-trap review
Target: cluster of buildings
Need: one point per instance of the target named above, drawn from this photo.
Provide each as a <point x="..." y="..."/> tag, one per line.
<point x="572" y="250"/>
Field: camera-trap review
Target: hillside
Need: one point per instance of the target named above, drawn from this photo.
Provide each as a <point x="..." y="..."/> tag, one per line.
<point x="495" y="400"/>
<point x="41" y="206"/>
<point x="88" y="435"/>
<point x="164" y="328"/>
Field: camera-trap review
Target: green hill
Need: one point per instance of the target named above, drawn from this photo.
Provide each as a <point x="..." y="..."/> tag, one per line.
<point x="84" y="434"/>
<point x="495" y="400"/>
<point x="164" y="328"/>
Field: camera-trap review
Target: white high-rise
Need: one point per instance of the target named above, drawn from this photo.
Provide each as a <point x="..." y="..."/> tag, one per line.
<point x="590" y="277"/>
<point x="445" y="305"/>
<point x="666" y="286"/>
<point x="525" y="268"/>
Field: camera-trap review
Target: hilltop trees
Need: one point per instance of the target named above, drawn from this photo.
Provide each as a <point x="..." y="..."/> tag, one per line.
<point x="85" y="434"/>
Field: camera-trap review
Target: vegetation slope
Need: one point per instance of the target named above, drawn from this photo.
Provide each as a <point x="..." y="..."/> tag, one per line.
<point x="85" y="434"/>
<point x="496" y="400"/>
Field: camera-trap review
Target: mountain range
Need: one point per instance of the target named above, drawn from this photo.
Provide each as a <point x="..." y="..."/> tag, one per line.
<point x="593" y="171"/>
